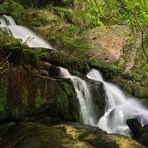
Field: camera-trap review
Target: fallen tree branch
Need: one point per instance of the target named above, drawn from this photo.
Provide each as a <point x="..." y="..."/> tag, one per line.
<point x="44" y="77"/>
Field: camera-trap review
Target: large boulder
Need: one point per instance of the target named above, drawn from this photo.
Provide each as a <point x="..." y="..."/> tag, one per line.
<point x="24" y="91"/>
<point x="32" y="135"/>
<point x="138" y="132"/>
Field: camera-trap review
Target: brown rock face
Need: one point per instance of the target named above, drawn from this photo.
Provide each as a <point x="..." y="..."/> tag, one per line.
<point x="19" y="85"/>
<point x="26" y="92"/>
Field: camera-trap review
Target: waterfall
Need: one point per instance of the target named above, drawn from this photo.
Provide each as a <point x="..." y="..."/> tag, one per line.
<point x="84" y="96"/>
<point x="119" y="108"/>
<point x="27" y="36"/>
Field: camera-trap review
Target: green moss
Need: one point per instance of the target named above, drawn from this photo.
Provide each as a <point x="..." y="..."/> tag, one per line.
<point x="28" y="135"/>
<point x="68" y="89"/>
<point x="74" y="64"/>
<point x="63" y="105"/>
<point x="124" y="142"/>
<point x="39" y="101"/>
<point x="117" y="70"/>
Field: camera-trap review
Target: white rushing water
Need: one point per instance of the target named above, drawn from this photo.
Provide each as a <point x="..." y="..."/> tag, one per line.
<point x="27" y="36"/>
<point x="84" y="96"/>
<point x="119" y="108"/>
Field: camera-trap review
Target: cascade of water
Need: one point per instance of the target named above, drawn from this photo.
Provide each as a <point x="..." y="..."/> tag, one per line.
<point x="119" y="108"/>
<point x="3" y="22"/>
<point x="83" y="94"/>
<point x="9" y="20"/>
<point x="25" y="34"/>
<point x="3" y="25"/>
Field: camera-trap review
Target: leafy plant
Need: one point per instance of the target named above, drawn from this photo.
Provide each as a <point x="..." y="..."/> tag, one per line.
<point x="68" y="37"/>
<point x="115" y="69"/>
<point x="12" y="8"/>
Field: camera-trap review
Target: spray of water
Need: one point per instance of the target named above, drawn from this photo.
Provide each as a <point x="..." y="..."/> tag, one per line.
<point x="27" y="36"/>
<point x="119" y="108"/>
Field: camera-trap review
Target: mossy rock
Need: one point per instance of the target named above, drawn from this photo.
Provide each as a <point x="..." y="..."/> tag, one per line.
<point x="32" y="135"/>
<point x="5" y="127"/>
<point x="125" y="142"/>
<point x="64" y="103"/>
<point x="24" y="93"/>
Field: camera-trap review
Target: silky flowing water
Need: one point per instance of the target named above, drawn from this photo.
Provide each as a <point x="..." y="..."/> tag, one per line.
<point x="23" y="33"/>
<point x="87" y="113"/>
<point x="119" y="107"/>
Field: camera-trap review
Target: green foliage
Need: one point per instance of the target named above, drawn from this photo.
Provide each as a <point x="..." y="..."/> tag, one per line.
<point x="140" y="71"/>
<point x="127" y="88"/>
<point x="94" y="63"/>
<point x="108" y="12"/>
<point x="85" y="19"/>
<point x="12" y="8"/>
<point x="115" y="69"/>
<point x="40" y="21"/>
<point x="67" y="37"/>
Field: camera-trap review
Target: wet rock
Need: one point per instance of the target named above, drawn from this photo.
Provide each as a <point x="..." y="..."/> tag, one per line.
<point x="135" y="126"/>
<point x="144" y="136"/>
<point x="108" y="46"/>
<point x="139" y="133"/>
<point x="98" y="97"/>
